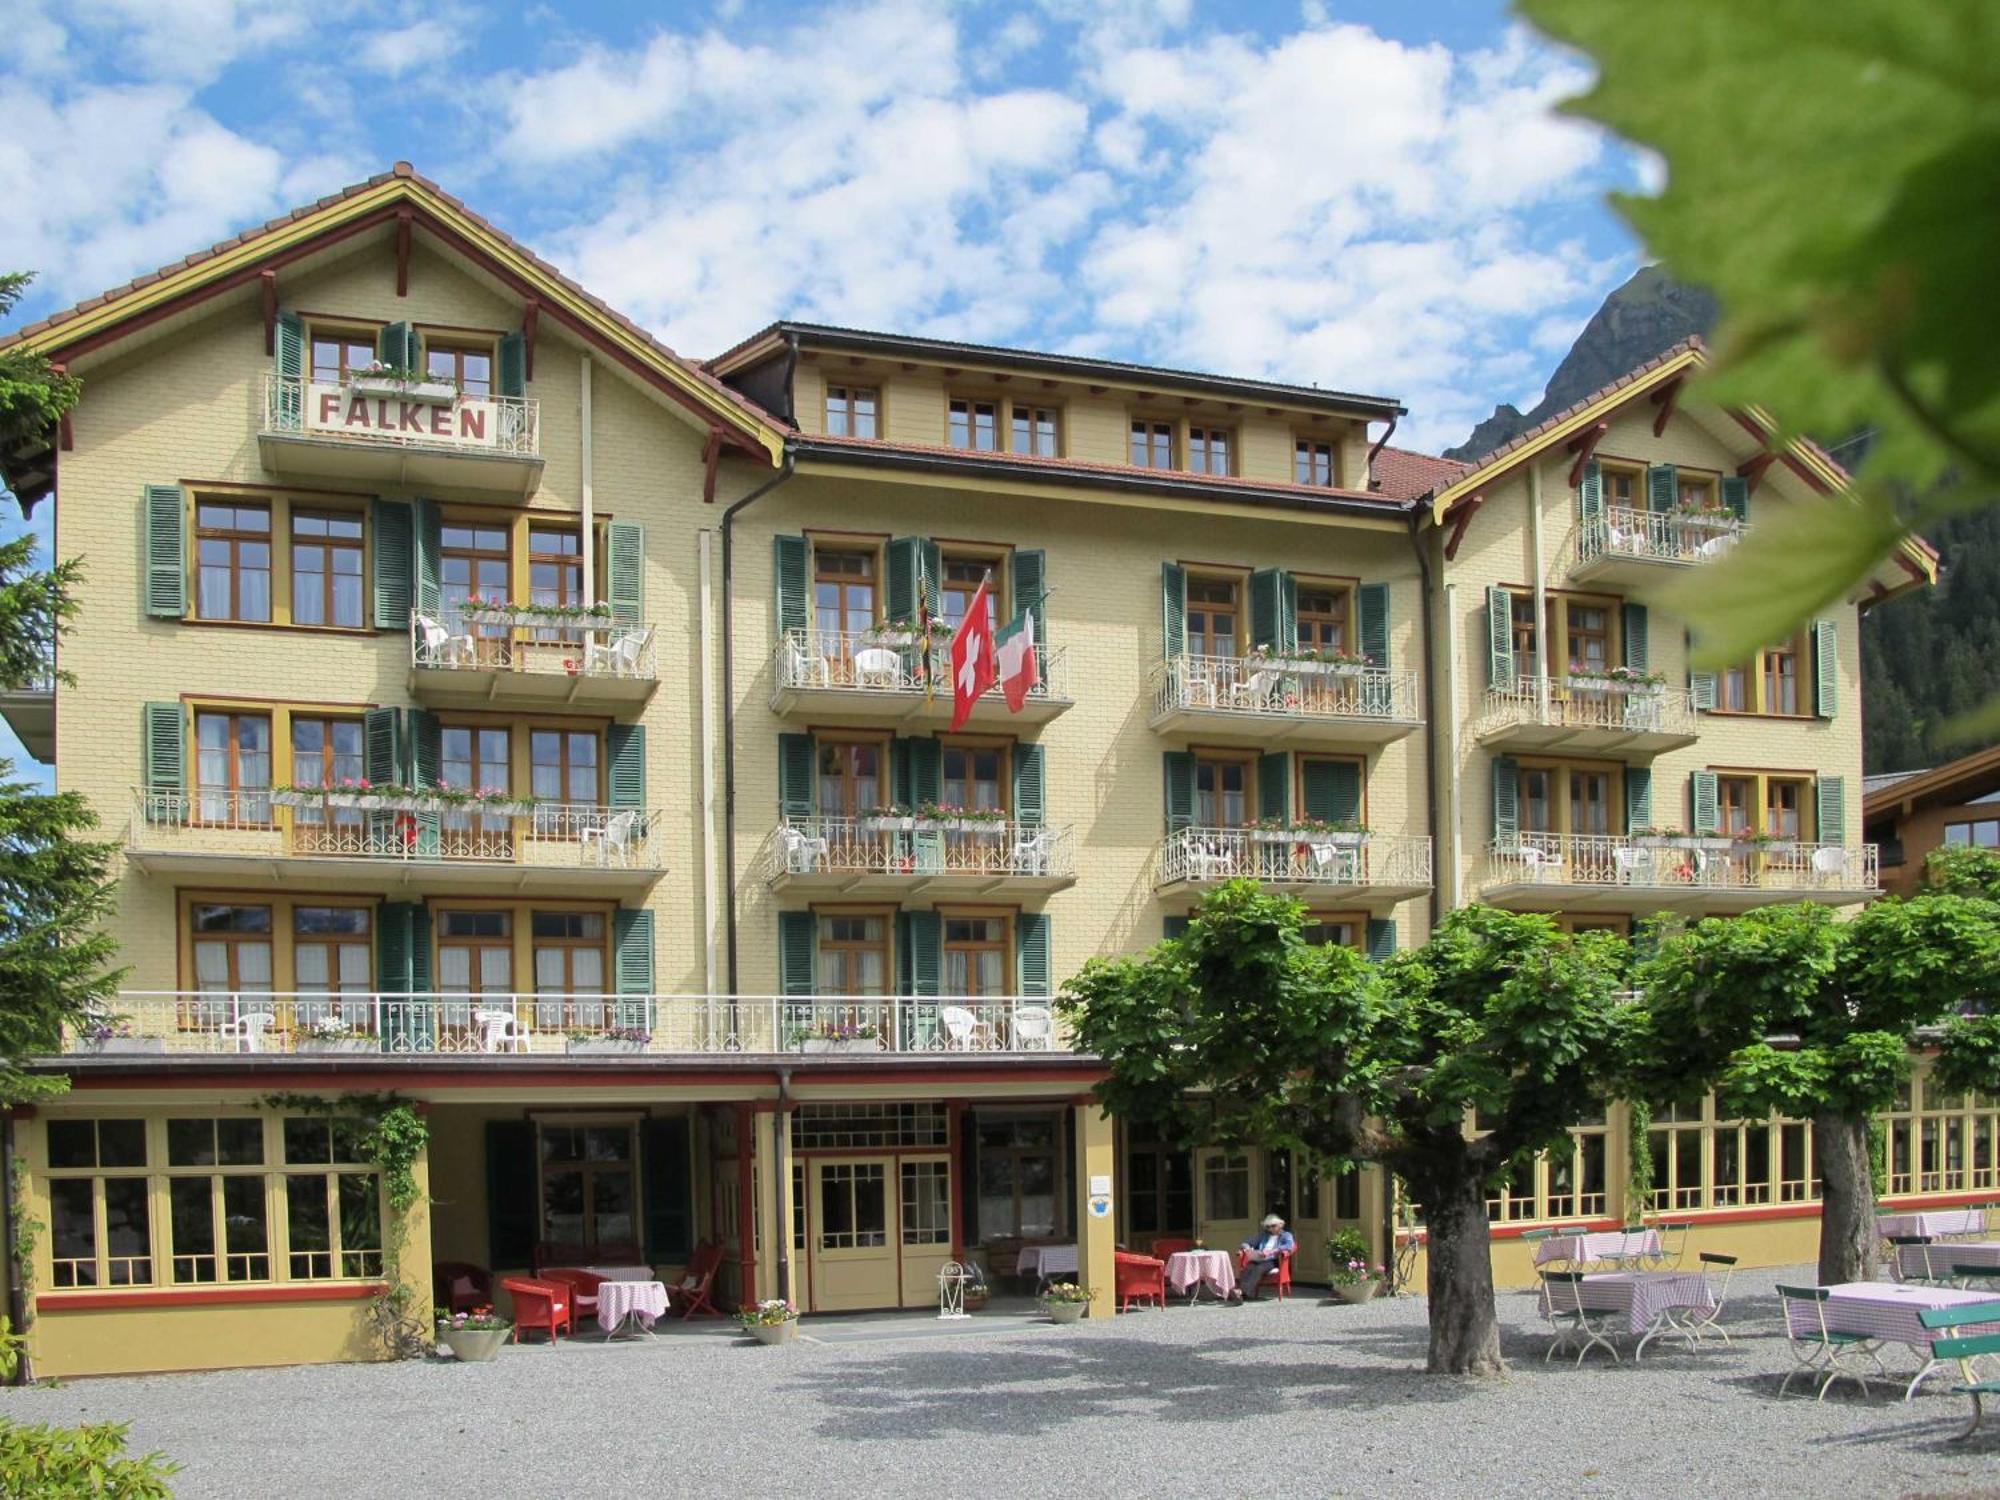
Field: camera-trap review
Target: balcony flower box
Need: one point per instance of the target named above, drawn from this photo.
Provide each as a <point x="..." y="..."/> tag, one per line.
<point x="1325" y="668"/>
<point x="538" y="615"/>
<point x="1341" y="839"/>
<point x="1585" y="682"/>
<point x="122" y="1044"/>
<point x="1705" y="843"/>
<point x="336" y="1044"/>
<point x="886" y="824"/>
<point x="599" y="1046"/>
<point x="890" y="637"/>
<point x="840" y="1044"/>
<point x="394" y="388"/>
<point x="1712" y="521"/>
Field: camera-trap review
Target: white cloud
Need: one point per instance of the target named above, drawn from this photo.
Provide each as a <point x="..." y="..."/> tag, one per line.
<point x="194" y="40"/>
<point x="421" y="44"/>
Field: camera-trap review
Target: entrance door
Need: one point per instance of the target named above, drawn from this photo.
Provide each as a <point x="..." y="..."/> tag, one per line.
<point x="924" y="1213"/>
<point x="853" y="1239"/>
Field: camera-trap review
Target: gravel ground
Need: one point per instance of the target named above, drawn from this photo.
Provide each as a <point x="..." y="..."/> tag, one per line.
<point x="1298" y="1398"/>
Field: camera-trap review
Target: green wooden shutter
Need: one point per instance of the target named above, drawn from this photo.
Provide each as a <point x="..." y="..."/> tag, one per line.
<point x="1500" y="639"/>
<point x="668" y="1183"/>
<point x="625" y="759"/>
<point x="289" y="347"/>
<point x="1701" y="689"/>
<point x="426" y="748"/>
<point x="1173" y="609"/>
<point x="1372" y="604"/>
<point x="1288" y="610"/>
<point x="512" y="1209"/>
<point x="1274" y="785"/>
<point x="166" y="552"/>
<point x="1831" y="812"/>
<point x="420" y="953"/>
<point x="1590" y="495"/>
<point x="1175" y="927"/>
<point x="1331" y="790"/>
<point x="926" y="770"/>
<point x="920" y="935"/>
<point x="1031" y="584"/>
<point x="1663" y="487"/>
<point x="1381" y="938"/>
<point x="632" y="965"/>
<point x="1705" y="803"/>
<point x="625" y="555"/>
<point x="403" y="949"/>
<point x="396" y="346"/>
<point x="790" y="564"/>
<point x="429" y="537"/>
<point x="796" y="767"/>
<point x="1826" y="668"/>
<point x="904" y="564"/>
<point x="389" y="523"/>
<point x="899" y="772"/>
<point x="382" y="739"/>
<point x="513" y="365"/>
<point x="1266" y="603"/>
<point x="1638" y="798"/>
<point x="1635" y="637"/>
<point x="164" y="747"/>
<point x="798" y="952"/>
<point x="930" y="571"/>
<point x="1032" y="929"/>
<point x="1179" y="770"/>
<point x="1736" y="496"/>
<point x="1029" y="804"/>
<point x="1506" y="800"/>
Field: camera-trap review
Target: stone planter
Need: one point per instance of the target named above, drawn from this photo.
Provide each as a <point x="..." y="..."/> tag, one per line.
<point x="1352" y="1292"/>
<point x="474" y="1346"/>
<point x="600" y="1044"/>
<point x="840" y="1044"/>
<point x="335" y="1044"/>
<point x="1065" y="1312"/>
<point x="113" y="1044"/>
<point x="773" y="1333"/>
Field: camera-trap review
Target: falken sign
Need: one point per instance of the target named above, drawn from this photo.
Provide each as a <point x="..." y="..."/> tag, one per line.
<point x="466" y="422"/>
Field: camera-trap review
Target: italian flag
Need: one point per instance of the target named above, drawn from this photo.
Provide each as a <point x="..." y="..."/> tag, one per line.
<point x="1020" y="673"/>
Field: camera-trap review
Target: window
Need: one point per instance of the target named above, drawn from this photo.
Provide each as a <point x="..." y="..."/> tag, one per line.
<point x="974" y="777"/>
<point x="1783" y="801"/>
<point x="569" y="963"/>
<point x="589" y="1184"/>
<point x="1588" y="627"/>
<point x="217" y="1200"/>
<point x="850" y="778"/>
<point x="1769" y="683"/>
<point x="475" y="956"/>
<point x="233" y="556"/>
<point x="232" y="955"/>
<point x="850" y="411"/>
<point x="99" y="1225"/>
<point x="1035" y="431"/>
<point x="333" y="957"/>
<point x="854" y="954"/>
<point x="233" y="768"/>
<point x="1567" y="1182"/>
<point x="1325" y="616"/>
<point x="326" y="569"/>
<point x="1018" y="1177"/>
<point x="962" y="577"/>
<point x="974" y="424"/>
<point x="1159" y="1185"/>
<point x="1562" y="797"/>
<point x="555" y="571"/>
<point x="337" y="354"/>
<point x="1940" y="1142"/>
<point x="1527" y="638"/>
<point x="1312" y="462"/>
<point x="1221" y="792"/>
<point x="1209" y="450"/>
<point x="843" y="598"/>
<point x="869" y="1124"/>
<point x="1736" y="804"/>
<point x="473" y="757"/>
<point x="468" y="365"/>
<point x="1341" y="931"/>
<point x="926" y="1203"/>
<point x="1781" y="679"/>
<point x="1700" y="1161"/>
<point x="326" y="752"/>
<point x="1152" y="444"/>
<point x="1697" y="491"/>
<point x="975" y="956"/>
<point x="1225" y="1186"/>
<point x="563" y="767"/>
<point x="1982" y="834"/>
<point x="853" y="1205"/>
<point x="474" y="560"/>
<point x="1214" y="616"/>
<point x="1622" y="487"/>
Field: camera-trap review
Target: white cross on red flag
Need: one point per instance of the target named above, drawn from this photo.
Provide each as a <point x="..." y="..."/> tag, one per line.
<point x="973" y="670"/>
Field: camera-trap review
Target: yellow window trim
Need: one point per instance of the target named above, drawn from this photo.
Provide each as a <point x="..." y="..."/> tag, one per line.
<point x="281" y="504"/>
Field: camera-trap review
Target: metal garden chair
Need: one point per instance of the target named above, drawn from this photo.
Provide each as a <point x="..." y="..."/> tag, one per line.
<point x="1818" y="1350"/>
<point x="1562" y="1292"/>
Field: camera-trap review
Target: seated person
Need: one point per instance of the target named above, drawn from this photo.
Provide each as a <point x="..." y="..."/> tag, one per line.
<point x="1263" y="1255"/>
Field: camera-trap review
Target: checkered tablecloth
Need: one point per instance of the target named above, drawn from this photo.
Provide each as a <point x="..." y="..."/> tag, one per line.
<point x="1933" y="1221"/>
<point x="1886" y="1311"/>
<point x="619" y="1300"/>
<point x="1640" y="1297"/>
<point x="1189" y="1268"/>
<point x="1936" y="1260"/>
<point x="1044" y="1261"/>
<point x="1614" y="1244"/>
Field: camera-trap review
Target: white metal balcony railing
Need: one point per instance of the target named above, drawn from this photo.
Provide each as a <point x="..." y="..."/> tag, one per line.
<point x="250" y="822"/>
<point x="1296" y="689"/>
<point x="875" y="662"/>
<point x="1563" y="703"/>
<point x="1295" y="857"/>
<point x="504" y="425"/>
<point x="222" y="1021"/>
<point x="890" y="846"/>
<point x="1680" y="862"/>
<point x="598" y="650"/>
<point x="1655" y="536"/>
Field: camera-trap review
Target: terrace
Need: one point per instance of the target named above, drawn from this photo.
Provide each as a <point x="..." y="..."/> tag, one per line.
<point x="1611" y="872"/>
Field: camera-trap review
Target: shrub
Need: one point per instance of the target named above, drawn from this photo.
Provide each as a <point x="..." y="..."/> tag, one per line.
<point x="72" y="1463"/>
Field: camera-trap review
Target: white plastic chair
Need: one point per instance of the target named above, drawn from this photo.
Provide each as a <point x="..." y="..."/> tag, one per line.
<point x="1258" y="692"/>
<point x="964" y="1031"/>
<point x="1034" y="1028"/>
<point x="1541" y="864"/>
<point x="805" y="668"/>
<point x="441" y="647"/>
<point x="500" y="1031"/>
<point x="246" y="1032"/>
<point x="1631" y="863"/>
<point x="804" y="852"/>
<point x="1031" y="853"/>
<point x="877" y="666"/>
<point x="620" y="656"/>
<point x="613" y="836"/>
<point x="1829" y="863"/>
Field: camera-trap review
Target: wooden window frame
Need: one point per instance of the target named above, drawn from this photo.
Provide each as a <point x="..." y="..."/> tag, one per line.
<point x="589" y="1170"/>
<point x="348" y="332"/>
<point x="1560" y="798"/>
<point x="1347" y="592"/>
<point x="328" y="545"/>
<point x="458" y="344"/>
<point x="1222" y="756"/>
<point x="886" y="915"/>
<point x="882" y="740"/>
<point x="994" y="560"/>
<point x="1311" y="443"/>
<point x="595" y="731"/>
<point x="1199" y="445"/>
<point x="1035" y="410"/>
<point x="1005" y="916"/>
<point x="1150" y="442"/>
<point x="1757" y="685"/>
<point x="234" y="789"/>
<point x="876" y="578"/>
<point x="1356" y="919"/>
<point x="1610" y="468"/>
<point x="972" y="404"/>
<point x="1553" y="630"/>
<point x="1239" y="582"/>
<point x="846" y="397"/>
<point x="334" y="941"/>
<point x="236" y="539"/>
<point x="974" y="743"/>
<point x="1760" y="798"/>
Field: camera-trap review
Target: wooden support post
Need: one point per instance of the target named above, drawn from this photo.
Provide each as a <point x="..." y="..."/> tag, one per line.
<point x="405" y="221"/>
<point x="1583" y="445"/>
<point x="746" y="1206"/>
<point x="269" y="281"/>
<point x="711" y="459"/>
<point x="531" y="325"/>
<point x="1096" y="1233"/>
<point x="1667" y="397"/>
<point x="1752" y="468"/>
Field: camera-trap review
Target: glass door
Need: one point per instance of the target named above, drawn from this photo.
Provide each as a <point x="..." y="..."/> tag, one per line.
<point x="855" y="1250"/>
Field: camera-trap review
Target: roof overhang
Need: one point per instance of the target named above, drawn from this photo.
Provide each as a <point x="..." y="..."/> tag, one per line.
<point x="1960" y="780"/>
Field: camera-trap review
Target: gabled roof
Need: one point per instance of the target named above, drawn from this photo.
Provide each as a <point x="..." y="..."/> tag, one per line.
<point x="1404" y="474"/>
<point x="1966" y="779"/>
<point x="400" y="195"/>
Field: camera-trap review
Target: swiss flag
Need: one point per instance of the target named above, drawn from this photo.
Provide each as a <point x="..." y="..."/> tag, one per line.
<point x="972" y="667"/>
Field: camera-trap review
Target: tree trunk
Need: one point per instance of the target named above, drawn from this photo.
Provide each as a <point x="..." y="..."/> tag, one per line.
<point x="1849" y="1244"/>
<point x="1465" y="1329"/>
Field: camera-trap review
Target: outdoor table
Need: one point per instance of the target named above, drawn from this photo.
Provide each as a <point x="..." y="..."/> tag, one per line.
<point x="620" y="1273"/>
<point x="1046" y="1262"/>
<point x="1644" y="1300"/>
<point x="1189" y="1270"/>
<point x="1588" y="1249"/>
<point x="1888" y="1311"/>
<point x="1934" y="1222"/>
<point x="619" y="1302"/>
<point x="1936" y="1260"/>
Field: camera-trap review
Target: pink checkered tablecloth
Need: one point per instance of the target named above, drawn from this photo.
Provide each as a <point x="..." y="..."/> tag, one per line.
<point x="1613" y="1244"/>
<point x="619" y="1300"/>
<point x="1884" y="1310"/>
<point x="1933" y="1221"/>
<point x="1641" y="1297"/>
<point x="1192" y="1268"/>
<point x="1935" y="1260"/>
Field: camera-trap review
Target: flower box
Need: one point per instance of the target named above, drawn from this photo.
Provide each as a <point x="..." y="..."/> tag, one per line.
<point x="597" y="1045"/>
<point x="1585" y="684"/>
<point x="335" y="1044"/>
<point x="886" y="825"/>
<point x="1709" y="520"/>
<point x="435" y="392"/>
<point x="116" y="1044"/>
<point x="840" y="1044"/>
<point x="1325" y="668"/>
<point x="1704" y="842"/>
<point x="1345" y="839"/>
<point x="529" y="614"/>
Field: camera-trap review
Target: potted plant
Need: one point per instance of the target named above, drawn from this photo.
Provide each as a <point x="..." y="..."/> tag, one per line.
<point x="610" y="1039"/>
<point x="837" y="1036"/>
<point x="1353" y="1278"/>
<point x="771" y="1322"/>
<point x="332" y="1033"/>
<point x="114" y="1034"/>
<point x="473" y="1336"/>
<point x="1064" y="1301"/>
<point x="892" y="818"/>
<point x="402" y="383"/>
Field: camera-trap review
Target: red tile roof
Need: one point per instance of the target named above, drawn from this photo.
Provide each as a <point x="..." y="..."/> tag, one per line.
<point x="1403" y="474"/>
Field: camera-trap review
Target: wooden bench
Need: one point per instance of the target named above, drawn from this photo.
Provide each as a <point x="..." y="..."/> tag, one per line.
<point x="1964" y="1350"/>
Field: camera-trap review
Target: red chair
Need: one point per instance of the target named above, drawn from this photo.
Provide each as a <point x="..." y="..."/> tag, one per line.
<point x="459" y="1286"/>
<point x="696" y="1290"/>
<point x="1282" y="1280"/>
<point x="582" y="1286"/>
<point x="540" y="1304"/>
<point x="1163" y="1248"/>
<point x="1140" y="1278"/>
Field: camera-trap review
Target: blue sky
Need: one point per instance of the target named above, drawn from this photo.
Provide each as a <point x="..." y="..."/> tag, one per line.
<point x="1369" y="196"/>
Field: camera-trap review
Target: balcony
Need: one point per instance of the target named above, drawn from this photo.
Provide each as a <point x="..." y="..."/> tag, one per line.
<point x="605" y="1028"/>
<point x="383" y="436"/>
<point x="523" y="659"/>
<point x="1696" y="873"/>
<point x="552" y="848"/>
<point x="906" y="858"/>
<point x="1590" y="716"/>
<point x="1272" y="702"/>
<point x="837" y="677"/>
<point x="1633" y="550"/>
<point x="30" y="711"/>
<point x="1375" y="869"/>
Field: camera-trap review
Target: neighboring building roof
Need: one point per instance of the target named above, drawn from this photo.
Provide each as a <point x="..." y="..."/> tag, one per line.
<point x="1970" y="778"/>
<point x="1882" y="781"/>
<point x="398" y="193"/>
<point x="1404" y="474"/>
<point x="860" y="340"/>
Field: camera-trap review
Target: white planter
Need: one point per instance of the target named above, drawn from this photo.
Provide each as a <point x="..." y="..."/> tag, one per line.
<point x="433" y="392"/>
<point x="886" y="825"/>
<point x="113" y="1044"/>
<point x="1324" y="668"/>
<point x="474" y="1346"/>
<point x="1065" y="1312"/>
<point x="773" y="1333"/>
<point x="1344" y="840"/>
<point x="1613" y="685"/>
<point x="1355" y="1291"/>
<point x="603" y="1044"/>
<point x="840" y="1044"/>
<point x="529" y="615"/>
<point x="333" y="1044"/>
<point x="891" y="638"/>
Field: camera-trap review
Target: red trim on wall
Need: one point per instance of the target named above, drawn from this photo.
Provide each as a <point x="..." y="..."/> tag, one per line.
<point x="231" y="1296"/>
<point x="1759" y="1214"/>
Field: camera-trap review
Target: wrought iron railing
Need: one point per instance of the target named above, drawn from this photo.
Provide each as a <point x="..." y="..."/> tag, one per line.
<point x="448" y="641"/>
<point x="1572" y="703"/>
<point x="899" y="845"/>
<point x="507" y="425"/>
<point x="1681" y="862"/>
<point x="892" y="662"/>
<point x="1655" y="535"/>
<point x="336" y="1022"/>
<point x="1293" y="689"/>
<point x="1295" y="857"/>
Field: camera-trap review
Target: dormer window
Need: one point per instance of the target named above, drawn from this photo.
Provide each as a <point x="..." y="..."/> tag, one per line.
<point x="1152" y="444"/>
<point x="1312" y="462"/>
<point x="974" y="425"/>
<point x="1035" y="432"/>
<point x="1209" y="450"/>
<point x="850" y="411"/>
